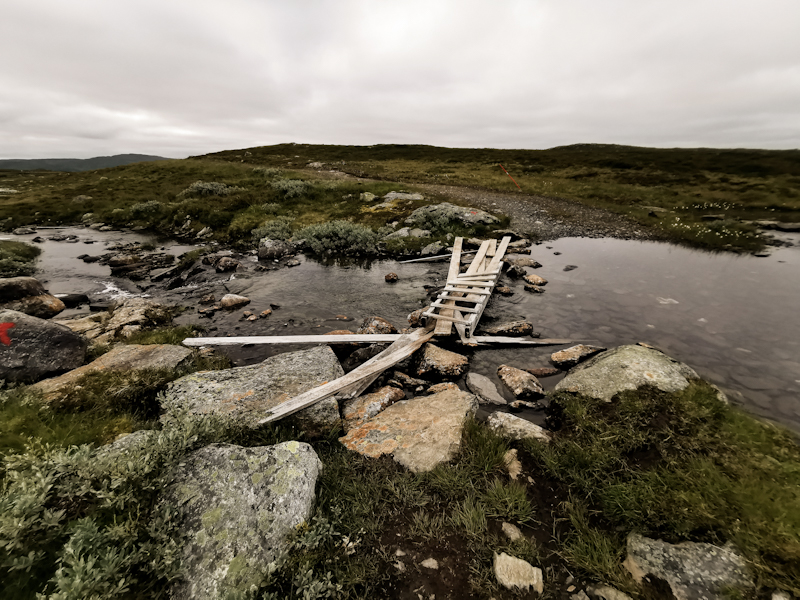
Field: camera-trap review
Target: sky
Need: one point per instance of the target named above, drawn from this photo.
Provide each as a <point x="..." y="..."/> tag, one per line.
<point x="185" y="77"/>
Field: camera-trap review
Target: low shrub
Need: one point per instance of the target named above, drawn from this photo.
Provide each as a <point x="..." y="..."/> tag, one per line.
<point x="276" y="229"/>
<point x="290" y="188"/>
<point x="339" y="237"/>
<point x="17" y="258"/>
<point x="145" y="209"/>
<point x="209" y="188"/>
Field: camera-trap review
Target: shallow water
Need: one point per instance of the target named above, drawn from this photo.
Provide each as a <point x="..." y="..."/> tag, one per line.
<point x="734" y="319"/>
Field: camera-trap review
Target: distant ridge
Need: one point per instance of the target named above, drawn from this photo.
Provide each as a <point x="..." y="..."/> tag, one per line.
<point x="76" y="164"/>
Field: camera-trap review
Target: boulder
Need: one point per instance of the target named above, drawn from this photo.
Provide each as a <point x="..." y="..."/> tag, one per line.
<point x="566" y="359"/>
<point x="32" y="348"/>
<point x="516" y="428"/>
<point x="26" y="295"/>
<point x="402" y="196"/>
<point x="512" y="329"/>
<point x="373" y="325"/>
<point x="358" y="410"/>
<point x="24" y="230"/>
<point x="692" y="570"/>
<point x="626" y="368"/>
<point x="432" y="249"/>
<point x="274" y="249"/>
<point x="90" y="327"/>
<point x="516" y="574"/>
<point x="419" y="433"/>
<point x="237" y="507"/>
<point x="248" y="393"/>
<point x="127" y="358"/>
<point x="521" y="383"/>
<point x="439" y="362"/>
<point x="484" y="388"/>
<point x="447" y="213"/>
<point x="233" y="301"/>
<point x="133" y="314"/>
<point x="226" y="264"/>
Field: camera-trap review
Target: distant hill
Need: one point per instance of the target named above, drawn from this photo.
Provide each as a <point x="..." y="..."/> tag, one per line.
<point x="76" y="164"/>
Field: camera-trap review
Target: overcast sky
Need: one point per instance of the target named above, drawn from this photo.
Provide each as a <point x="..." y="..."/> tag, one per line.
<point x="84" y="78"/>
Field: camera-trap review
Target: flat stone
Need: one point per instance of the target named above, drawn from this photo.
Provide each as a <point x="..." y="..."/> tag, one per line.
<point x="440" y="362"/>
<point x="233" y="301"/>
<point x="516" y="428"/>
<point x="419" y="434"/>
<point x="516" y="574"/>
<point x="127" y="358"/>
<point x="511" y="328"/>
<point x="521" y="383"/>
<point x="534" y="279"/>
<point x="484" y="388"/>
<point x="544" y="371"/>
<point x="565" y="359"/>
<point x="626" y="368"/>
<point x="358" y="410"/>
<point x="692" y="570"/>
<point x="33" y="348"/>
<point x="90" y="327"/>
<point x="237" y="507"/>
<point x="249" y="393"/>
<point x="441" y="387"/>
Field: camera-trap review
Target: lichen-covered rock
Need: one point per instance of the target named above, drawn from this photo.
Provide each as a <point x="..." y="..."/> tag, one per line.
<point x="626" y="368"/>
<point x="419" y="433"/>
<point x="516" y="428"/>
<point x="534" y="279"/>
<point x="692" y="570"/>
<point x="358" y="410"/>
<point x="484" y="388"/>
<point x="441" y="387"/>
<point x="274" y="249"/>
<point x="521" y="383"/>
<point x="136" y="312"/>
<point x="432" y="249"/>
<point x="566" y="359"/>
<point x="446" y="213"/>
<point x="249" y="393"/>
<point x="226" y="264"/>
<point x="373" y="325"/>
<point x="440" y="362"/>
<point x="512" y="329"/>
<point x="516" y="574"/>
<point x="126" y="358"/>
<point x="237" y="506"/>
<point x="32" y="348"/>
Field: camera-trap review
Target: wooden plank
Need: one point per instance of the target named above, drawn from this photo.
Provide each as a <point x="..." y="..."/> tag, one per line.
<point x="350" y="383"/>
<point x="467" y="309"/>
<point x="444" y="318"/>
<point x="365" y="338"/>
<point x="427" y="258"/>
<point x="497" y="339"/>
<point x="471" y="282"/>
<point x="494" y="264"/>
<point x="445" y="327"/>
<point x="479" y="291"/>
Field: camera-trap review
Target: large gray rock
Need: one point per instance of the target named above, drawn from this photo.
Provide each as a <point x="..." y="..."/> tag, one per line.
<point x="693" y="571"/>
<point x="237" y="507"/>
<point x="274" y="249"/>
<point x="419" y="433"/>
<point x="249" y="393"/>
<point x="446" y="213"/>
<point x="126" y="358"/>
<point x="626" y="368"/>
<point x="32" y="348"/>
<point x="26" y="295"/>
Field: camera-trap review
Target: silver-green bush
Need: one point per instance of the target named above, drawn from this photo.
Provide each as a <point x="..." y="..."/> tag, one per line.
<point x="209" y="188"/>
<point x="276" y="229"/>
<point x="340" y="237"/>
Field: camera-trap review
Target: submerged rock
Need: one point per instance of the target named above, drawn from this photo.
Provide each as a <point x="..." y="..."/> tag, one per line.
<point x="484" y="388"/>
<point x="626" y="368"/>
<point x="419" y="433"/>
<point x="237" y="506"/>
<point x="565" y="359"/>
<point x="32" y="348"/>
<point x="440" y="362"/>
<point x="692" y="570"/>
<point x="512" y="329"/>
<point x="534" y="279"/>
<point x="516" y="428"/>
<point x="248" y="393"/>
<point x="521" y="260"/>
<point x="521" y="383"/>
<point x="127" y="358"/>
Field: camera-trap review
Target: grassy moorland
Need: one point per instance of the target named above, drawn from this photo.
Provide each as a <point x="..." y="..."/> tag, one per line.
<point x="691" y="185"/>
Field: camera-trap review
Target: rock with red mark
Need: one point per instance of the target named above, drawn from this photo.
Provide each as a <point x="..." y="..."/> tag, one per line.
<point x="34" y="348"/>
<point x="626" y="368"/>
<point x="521" y="383"/>
<point x="124" y="358"/>
<point x="372" y="325"/>
<point x="247" y="394"/>
<point x="565" y="359"/>
<point x="419" y="434"/>
<point x="358" y="410"/>
<point x="439" y="362"/>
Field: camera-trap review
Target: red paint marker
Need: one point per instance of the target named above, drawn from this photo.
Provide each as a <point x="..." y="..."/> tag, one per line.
<point x="4" y="327"/>
<point x="510" y="177"/>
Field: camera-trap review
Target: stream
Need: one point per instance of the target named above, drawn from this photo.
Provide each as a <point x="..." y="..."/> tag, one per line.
<point x="734" y="319"/>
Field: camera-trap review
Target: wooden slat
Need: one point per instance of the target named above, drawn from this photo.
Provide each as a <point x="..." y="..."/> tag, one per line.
<point x="497" y="339"/>
<point x="439" y="317"/>
<point x="444" y="328"/>
<point x="481" y="291"/>
<point x="294" y="339"/>
<point x="471" y="282"/>
<point x="467" y="309"/>
<point x="354" y="380"/>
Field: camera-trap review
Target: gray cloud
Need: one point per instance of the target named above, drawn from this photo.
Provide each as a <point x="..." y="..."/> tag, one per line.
<point x="184" y="77"/>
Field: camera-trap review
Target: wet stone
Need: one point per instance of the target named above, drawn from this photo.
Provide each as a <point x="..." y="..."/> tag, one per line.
<point x="233" y="301"/>
<point x="484" y="388"/>
<point x="570" y="267"/>
<point x="390" y="277"/>
<point x="373" y="325"/>
<point x="512" y="329"/>
<point x="534" y="289"/>
<point x="439" y="362"/>
<point x="521" y="383"/>
<point x="534" y="279"/>
<point x="544" y="371"/>
<point x="565" y="359"/>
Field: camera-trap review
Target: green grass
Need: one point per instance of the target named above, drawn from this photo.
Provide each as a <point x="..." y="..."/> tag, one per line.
<point x="17" y="258"/>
